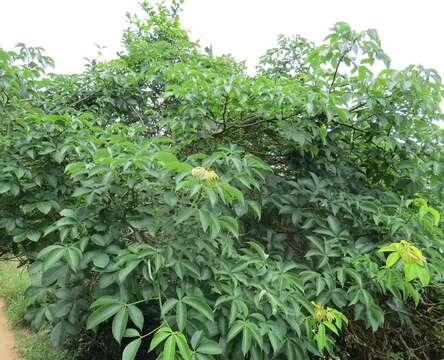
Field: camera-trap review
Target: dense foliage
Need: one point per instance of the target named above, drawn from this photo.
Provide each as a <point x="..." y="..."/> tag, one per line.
<point x="185" y="206"/>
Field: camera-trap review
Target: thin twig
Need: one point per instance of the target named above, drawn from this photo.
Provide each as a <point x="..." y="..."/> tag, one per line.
<point x="349" y="126"/>
<point x="224" y="113"/>
<point x="85" y="98"/>
<point x="136" y="112"/>
<point x="337" y="69"/>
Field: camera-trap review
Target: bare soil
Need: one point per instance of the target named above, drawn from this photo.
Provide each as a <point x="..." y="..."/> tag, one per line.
<point x="7" y="341"/>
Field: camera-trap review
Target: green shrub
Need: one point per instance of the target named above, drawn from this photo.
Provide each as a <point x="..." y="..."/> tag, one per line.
<point x="251" y="216"/>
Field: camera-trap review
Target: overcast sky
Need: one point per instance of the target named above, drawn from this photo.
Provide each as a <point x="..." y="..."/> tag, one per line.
<point x="411" y="31"/>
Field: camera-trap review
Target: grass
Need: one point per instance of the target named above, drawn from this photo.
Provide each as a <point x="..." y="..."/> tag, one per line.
<point x="30" y="345"/>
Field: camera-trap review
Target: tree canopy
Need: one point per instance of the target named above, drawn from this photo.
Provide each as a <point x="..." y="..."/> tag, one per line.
<point x="192" y="208"/>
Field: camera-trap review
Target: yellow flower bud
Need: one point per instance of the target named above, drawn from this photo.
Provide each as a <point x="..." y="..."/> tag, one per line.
<point x="211" y="176"/>
<point x="198" y="171"/>
<point x="208" y="175"/>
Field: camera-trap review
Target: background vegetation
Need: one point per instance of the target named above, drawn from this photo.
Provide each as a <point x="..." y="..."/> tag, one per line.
<point x="29" y="345"/>
<point x="172" y="201"/>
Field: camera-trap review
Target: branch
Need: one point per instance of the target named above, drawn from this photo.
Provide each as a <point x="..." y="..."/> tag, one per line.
<point x="337" y="69"/>
<point x="224" y="113"/>
<point x="357" y="107"/>
<point x="85" y="98"/>
<point x="245" y="125"/>
<point x="136" y="112"/>
<point x="349" y="126"/>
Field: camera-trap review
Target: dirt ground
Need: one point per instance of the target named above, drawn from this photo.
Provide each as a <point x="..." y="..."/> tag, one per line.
<point x="7" y="342"/>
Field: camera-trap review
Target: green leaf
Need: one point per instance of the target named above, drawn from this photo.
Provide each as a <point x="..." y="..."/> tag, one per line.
<point x="389" y="248"/>
<point x="57" y="334"/>
<point x="141" y="222"/>
<point x="374" y="316"/>
<point x="410" y="270"/>
<point x="413" y="270"/>
<point x="341" y="276"/>
<point x="334" y="225"/>
<point x="169" y="351"/>
<point x="169" y="161"/>
<point x="435" y="214"/>
<point x="120" y="322"/>
<point x="392" y="259"/>
<point x="233" y="192"/>
<point x="183" y="347"/>
<point x="123" y="274"/>
<point x="331" y="326"/>
<point x="53" y="258"/>
<point x="181" y="315"/>
<point x="170" y="198"/>
<point x="230" y="224"/>
<point x="246" y="340"/>
<point x="184" y="214"/>
<point x="321" y="338"/>
<point x="200" y="305"/>
<point x="105" y="300"/>
<point x="211" y="196"/>
<point x="259" y="249"/>
<point x="102" y="314"/>
<point x="131" y="333"/>
<point x="72" y="256"/>
<point x="159" y="337"/>
<point x="257" y="336"/>
<point x="4" y="187"/>
<point x="196" y="338"/>
<point x="210" y="348"/>
<point x="165" y="157"/>
<point x="136" y="316"/>
<point x="33" y="235"/>
<point x="256" y="208"/>
<point x="44" y="207"/>
<point x="215" y="225"/>
<point x="423" y="276"/>
<point x="101" y="260"/>
<point x="204" y="219"/>
<point x="235" y="329"/>
<point x="130" y="351"/>
<point x="168" y="305"/>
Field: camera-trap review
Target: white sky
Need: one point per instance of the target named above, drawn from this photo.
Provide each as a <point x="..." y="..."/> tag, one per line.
<point x="411" y="31"/>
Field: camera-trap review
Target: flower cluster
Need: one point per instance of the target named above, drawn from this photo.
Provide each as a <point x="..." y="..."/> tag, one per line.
<point x="322" y="314"/>
<point x="205" y="174"/>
